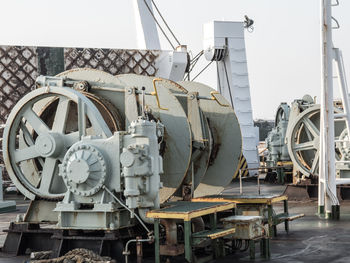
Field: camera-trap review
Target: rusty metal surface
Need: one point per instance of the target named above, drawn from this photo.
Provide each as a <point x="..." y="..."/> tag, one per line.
<point x="247" y="227"/>
<point x="113" y="61"/>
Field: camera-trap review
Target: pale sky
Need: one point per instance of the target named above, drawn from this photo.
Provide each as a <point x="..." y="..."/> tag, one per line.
<point x="283" y="51"/>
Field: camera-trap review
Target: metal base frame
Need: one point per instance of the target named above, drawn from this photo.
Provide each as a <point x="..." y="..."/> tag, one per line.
<point x="24" y="237"/>
<point x="279" y="175"/>
<point x="217" y="245"/>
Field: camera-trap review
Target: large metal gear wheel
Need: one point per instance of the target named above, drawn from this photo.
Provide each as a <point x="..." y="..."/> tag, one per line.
<point x="46" y="144"/>
<point x="303" y="140"/>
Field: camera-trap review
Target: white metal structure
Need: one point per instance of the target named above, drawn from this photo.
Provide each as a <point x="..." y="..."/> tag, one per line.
<point x="172" y="63"/>
<point x="224" y="42"/>
<point x="327" y="197"/>
<point x="146" y="28"/>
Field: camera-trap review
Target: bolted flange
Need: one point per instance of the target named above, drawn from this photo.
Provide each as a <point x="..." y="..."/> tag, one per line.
<point x="84" y="169"/>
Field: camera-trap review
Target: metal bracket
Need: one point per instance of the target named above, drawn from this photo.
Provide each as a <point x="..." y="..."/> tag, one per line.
<point x="131" y="111"/>
<point x="336" y="3"/>
<point x="336" y="21"/>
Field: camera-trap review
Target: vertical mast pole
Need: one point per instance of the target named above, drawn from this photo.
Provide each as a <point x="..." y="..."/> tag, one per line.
<point x="327" y="180"/>
<point x="322" y="157"/>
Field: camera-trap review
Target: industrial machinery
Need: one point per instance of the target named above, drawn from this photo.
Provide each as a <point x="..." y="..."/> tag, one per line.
<point x="275" y="141"/>
<point x="96" y="152"/>
<point x="302" y="137"/>
<point x="224" y="43"/>
<point x="278" y="159"/>
<point x="295" y="138"/>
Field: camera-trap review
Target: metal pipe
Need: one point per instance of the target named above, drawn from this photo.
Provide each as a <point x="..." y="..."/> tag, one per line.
<point x="139" y="250"/>
<point x="126" y="251"/>
<point x="340" y="181"/>
<point x="127" y="208"/>
<point x="142" y="213"/>
<point x="343" y="86"/>
<point x="327" y="158"/>
<point x="321" y="177"/>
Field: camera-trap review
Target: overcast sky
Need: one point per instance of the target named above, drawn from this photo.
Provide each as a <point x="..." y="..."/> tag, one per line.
<point x="283" y="51"/>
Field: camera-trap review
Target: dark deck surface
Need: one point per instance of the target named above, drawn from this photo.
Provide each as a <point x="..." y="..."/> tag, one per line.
<point x="311" y="239"/>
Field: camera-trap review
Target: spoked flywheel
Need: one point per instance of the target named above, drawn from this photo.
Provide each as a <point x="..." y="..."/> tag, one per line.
<point x="42" y="142"/>
<point x="303" y="140"/>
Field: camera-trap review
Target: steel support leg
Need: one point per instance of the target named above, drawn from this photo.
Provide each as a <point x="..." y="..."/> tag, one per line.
<point x="252" y="249"/>
<point x="279" y="175"/>
<point x="188" y="245"/>
<point x="270" y="220"/>
<point x="156" y="241"/>
<point x="335" y="212"/>
<point x="268" y="249"/>
<point x="286" y="222"/>
<point x="266" y="242"/>
<point x="321" y="210"/>
<point x="213" y="225"/>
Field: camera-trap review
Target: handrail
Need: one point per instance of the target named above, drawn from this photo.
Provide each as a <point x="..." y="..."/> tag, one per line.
<point x="155" y="93"/>
<point x="212" y="93"/>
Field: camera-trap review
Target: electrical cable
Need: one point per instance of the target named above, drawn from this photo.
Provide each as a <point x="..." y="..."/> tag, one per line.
<point x="161" y="29"/>
<point x="202" y="70"/>
<point x="228" y="83"/>
<point x="127" y="208"/>
<point x="193" y="62"/>
<point x="218" y="76"/>
<point x="166" y="24"/>
<point x="199" y="54"/>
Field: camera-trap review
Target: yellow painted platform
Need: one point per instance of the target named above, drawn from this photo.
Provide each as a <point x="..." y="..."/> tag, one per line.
<point x="188" y="210"/>
<point x="242" y="199"/>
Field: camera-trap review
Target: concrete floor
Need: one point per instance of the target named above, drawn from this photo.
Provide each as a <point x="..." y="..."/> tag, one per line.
<point x="311" y="239"/>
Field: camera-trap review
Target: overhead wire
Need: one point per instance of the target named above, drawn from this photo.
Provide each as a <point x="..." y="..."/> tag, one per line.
<point x="192" y="63"/>
<point x="161" y="29"/>
<point x="228" y="83"/>
<point x="164" y="21"/>
<point x="199" y="54"/>
<point x="127" y="208"/>
<point x="166" y="24"/>
<point x="218" y="76"/>
<point x="202" y="70"/>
